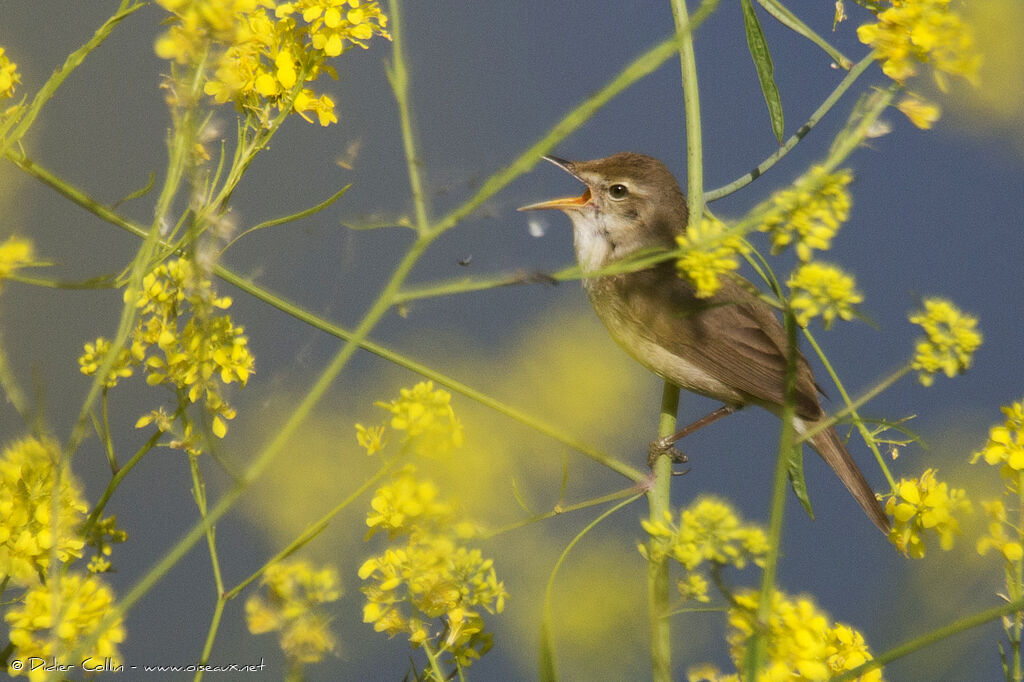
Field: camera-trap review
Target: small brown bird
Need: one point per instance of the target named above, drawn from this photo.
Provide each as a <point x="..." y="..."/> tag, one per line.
<point x="729" y="347"/>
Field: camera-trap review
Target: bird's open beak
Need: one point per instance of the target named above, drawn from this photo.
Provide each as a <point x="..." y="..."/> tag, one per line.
<point x="564" y="202"/>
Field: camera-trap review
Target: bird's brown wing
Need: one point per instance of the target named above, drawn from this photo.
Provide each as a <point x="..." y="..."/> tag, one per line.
<point x="733" y="336"/>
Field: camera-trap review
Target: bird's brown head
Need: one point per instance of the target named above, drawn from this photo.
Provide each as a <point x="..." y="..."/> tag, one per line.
<point x="631" y="202"/>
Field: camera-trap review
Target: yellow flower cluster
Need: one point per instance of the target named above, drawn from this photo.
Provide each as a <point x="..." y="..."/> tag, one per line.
<point x="54" y="619"/>
<point x="102" y="536"/>
<point x="1005" y="446"/>
<point x="9" y="76"/>
<point x="425" y="415"/>
<point x="912" y="32"/>
<point x="15" y="253"/>
<point x="1009" y="545"/>
<point x="257" y="50"/>
<point x="194" y="359"/>
<point x="708" y="255"/>
<point x="431" y="577"/>
<point x="809" y="213"/>
<point x="1005" y="449"/>
<point x="407" y="503"/>
<point x="294" y="592"/>
<point x="921" y="505"/>
<point x="429" y="574"/>
<point x="951" y="339"/>
<point x="29" y="532"/>
<point x="822" y="289"/>
<point x="709" y="530"/>
<point x="802" y="646"/>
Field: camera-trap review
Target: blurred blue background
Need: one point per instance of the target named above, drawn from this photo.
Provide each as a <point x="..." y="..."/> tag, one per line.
<point x="935" y="213"/>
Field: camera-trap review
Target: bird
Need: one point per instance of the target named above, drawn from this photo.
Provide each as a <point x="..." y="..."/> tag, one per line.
<point x="730" y="347"/>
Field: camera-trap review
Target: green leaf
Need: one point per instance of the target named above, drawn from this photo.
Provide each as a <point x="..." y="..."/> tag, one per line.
<point x="795" y="465"/>
<point x="765" y="68"/>
<point x="793" y="22"/>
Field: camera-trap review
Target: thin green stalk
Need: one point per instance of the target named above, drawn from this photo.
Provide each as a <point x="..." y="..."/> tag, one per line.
<point x="398" y="75"/>
<point x="933" y="637"/>
<point x="691" y="105"/>
<point x="869" y="395"/>
<point x="311" y="532"/>
<point x="659" y="500"/>
<point x="199" y="492"/>
<point x="550" y="587"/>
<point x="563" y="509"/>
<point x="57" y="78"/>
<point x="818" y="114"/>
<point x="97" y="511"/>
<point x="864" y="432"/>
<point x="757" y="647"/>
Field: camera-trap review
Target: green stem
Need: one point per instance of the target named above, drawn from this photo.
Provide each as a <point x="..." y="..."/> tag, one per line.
<point x="659" y="500"/>
<point x="864" y="431"/>
<point x="788" y="448"/>
<point x="818" y="114"/>
<point x="563" y="509"/>
<point x="398" y="75"/>
<point x="311" y="532"/>
<point x="869" y="395"/>
<point x="57" y="78"/>
<point x="550" y="587"/>
<point x="119" y="475"/>
<point x="199" y="492"/>
<point x="930" y="638"/>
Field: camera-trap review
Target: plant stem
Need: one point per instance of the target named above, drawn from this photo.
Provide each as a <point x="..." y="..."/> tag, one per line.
<point x="818" y="114"/>
<point x="659" y="500"/>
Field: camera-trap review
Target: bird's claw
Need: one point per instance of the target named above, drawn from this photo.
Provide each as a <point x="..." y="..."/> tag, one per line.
<point x="663" y="446"/>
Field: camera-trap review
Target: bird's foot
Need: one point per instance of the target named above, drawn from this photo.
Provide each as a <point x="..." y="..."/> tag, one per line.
<point x="664" y="446"/>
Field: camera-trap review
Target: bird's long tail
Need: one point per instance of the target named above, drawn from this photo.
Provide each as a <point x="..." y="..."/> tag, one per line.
<point x="831" y="448"/>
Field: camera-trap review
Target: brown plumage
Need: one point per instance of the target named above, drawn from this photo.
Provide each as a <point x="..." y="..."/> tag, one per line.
<point x="729" y="347"/>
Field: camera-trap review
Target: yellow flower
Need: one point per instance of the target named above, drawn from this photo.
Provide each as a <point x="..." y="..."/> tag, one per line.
<point x="9" y="77"/>
<point x="922" y="505"/>
<point x="29" y="533"/>
<point x="912" y="32"/>
<point x="427" y="418"/>
<point x="801" y="644"/>
<point x="708" y="255"/>
<point x="294" y="591"/>
<point x="809" y="213"/>
<point x="53" y="620"/>
<point x="256" y="51"/>
<point x="920" y="111"/>
<point x="694" y="586"/>
<point x="94" y="356"/>
<point x="822" y="289"/>
<point x="15" y="252"/>
<point x="373" y="438"/>
<point x="951" y="339"/>
<point x="1005" y="444"/>
<point x="708" y="530"/>
<point x="432" y="577"/>
<point x="195" y="360"/>
<point x="405" y="504"/>
<point x="1008" y="545"/>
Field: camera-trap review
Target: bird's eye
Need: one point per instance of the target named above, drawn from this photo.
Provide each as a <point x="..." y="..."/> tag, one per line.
<point x="618" y="191"/>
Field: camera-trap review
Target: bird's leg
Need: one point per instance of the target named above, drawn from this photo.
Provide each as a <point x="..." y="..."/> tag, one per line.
<point x="663" y="446"/>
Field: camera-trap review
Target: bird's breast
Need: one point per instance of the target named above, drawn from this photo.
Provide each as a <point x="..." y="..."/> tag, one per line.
<point x="624" y="321"/>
